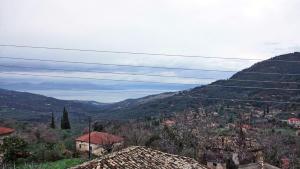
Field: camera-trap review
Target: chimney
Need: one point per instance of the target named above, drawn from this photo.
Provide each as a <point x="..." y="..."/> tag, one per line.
<point x="260" y="159"/>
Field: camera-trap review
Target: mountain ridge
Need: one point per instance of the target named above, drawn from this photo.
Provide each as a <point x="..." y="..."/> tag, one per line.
<point x="272" y="71"/>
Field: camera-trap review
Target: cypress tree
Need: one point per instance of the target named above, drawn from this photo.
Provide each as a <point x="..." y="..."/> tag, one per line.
<point x="65" y="124"/>
<point x="52" y="125"/>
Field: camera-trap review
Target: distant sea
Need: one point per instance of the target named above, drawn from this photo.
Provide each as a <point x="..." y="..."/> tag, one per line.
<point x="103" y="96"/>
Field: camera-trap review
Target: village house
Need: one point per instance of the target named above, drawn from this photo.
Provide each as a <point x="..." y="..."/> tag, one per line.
<point x="169" y="123"/>
<point x="4" y="132"/>
<point x="295" y="122"/>
<point x="101" y="143"/>
<point x="137" y="157"/>
<point x="225" y="150"/>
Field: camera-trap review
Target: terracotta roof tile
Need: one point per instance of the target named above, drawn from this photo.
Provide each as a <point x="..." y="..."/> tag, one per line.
<point x="4" y="130"/>
<point x="100" y="138"/>
<point x="141" y="158"/>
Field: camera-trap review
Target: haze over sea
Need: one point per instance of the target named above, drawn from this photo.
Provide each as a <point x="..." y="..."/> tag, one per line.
<point x="103" y="96"/>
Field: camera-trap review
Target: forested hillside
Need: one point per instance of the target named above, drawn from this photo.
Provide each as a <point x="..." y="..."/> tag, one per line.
<point x="267" y="83"/>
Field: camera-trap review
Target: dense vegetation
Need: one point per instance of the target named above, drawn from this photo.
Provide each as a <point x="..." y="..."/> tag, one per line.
<point x="197" y="119"/>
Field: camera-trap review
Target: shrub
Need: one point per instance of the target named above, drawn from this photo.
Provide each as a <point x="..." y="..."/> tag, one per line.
<point x="13" y="148"/>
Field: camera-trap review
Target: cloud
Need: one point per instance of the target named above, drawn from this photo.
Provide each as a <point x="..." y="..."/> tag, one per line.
<point x="257" y="29"/>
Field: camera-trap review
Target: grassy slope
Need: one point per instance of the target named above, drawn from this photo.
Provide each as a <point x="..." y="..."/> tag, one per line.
<point x="61" y="164"/>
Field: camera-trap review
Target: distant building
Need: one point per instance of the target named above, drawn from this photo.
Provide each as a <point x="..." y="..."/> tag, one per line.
<point x="4" y="132"/>
<point x="169" y="123"/>
<point x="137" y="157"/>
<point x="100" y="143"/>
<point x="294" y="122"/>
<point x="246" y="126"/>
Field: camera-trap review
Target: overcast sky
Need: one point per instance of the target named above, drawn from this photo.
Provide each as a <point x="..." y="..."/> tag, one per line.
<point x="257" y="29"/>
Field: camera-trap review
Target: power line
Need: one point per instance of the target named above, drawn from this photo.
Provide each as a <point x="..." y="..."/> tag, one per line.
<point x="121" y="52"/>
<point x="207" y="98"/>
<point x="162" y="54"/>
<point x="109" y="72"/>
<point x="241" y="100"/>
<point x="139" y="53"/>
<point x="120" y="65"/>
<point x="223" y="86"/>
<point x="145" y="74"/>
<point x="143" y="66"/>
<point x="91" y="78"/>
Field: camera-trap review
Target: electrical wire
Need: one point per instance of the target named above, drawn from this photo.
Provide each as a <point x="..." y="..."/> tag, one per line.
<point x="156" y="67"/>
<point x="144" y="74"/>
<point x="139" y="53"/>
<point x="212" y="85"/>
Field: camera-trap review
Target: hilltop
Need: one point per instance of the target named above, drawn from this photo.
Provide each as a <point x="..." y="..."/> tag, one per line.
<point x="28" y="106"/>
<point x="273" y="72"/>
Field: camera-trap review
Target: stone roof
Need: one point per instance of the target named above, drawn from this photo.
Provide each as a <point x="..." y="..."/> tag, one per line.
<point x="257" y="166"/>
<point x="100" y="138"/>
<point x="5" y="131"/>
<point x="234" y="144"/>
<point x="141" y="158"/>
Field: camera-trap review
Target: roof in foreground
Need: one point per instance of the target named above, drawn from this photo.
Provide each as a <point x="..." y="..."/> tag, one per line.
<point x="257" y="166"/>
<point x="141" y="158"/>
<point x="4" y="131"/>
<point x="100" y="138"/>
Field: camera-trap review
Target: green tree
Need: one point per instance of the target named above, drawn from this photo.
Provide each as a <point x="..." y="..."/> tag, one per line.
<point x="13" y="148"/>
<point x="65" y="123"/>
<point x="98" y="127"/>
<point x="230" y="119"/>
<point x="52" y="125"/>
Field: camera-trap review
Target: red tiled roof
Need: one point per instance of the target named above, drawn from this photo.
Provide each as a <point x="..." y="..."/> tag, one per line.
<point x="293" y="119"/>
<point x="100" y="138"/>
<point x="4" y="130"/>
<point x="246" y="126"/>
